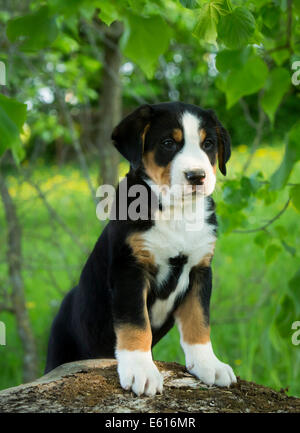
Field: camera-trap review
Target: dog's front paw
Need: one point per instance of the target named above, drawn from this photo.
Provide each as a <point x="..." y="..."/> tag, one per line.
<point x="202" y="363"/>
<point x="138" y="372"/>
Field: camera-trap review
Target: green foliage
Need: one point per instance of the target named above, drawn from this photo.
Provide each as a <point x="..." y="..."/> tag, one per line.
<point x="236" y="27"/>
<point x="190" y="4"/>
<point x="244" y="80"/>
<point x="295" y="196"/>
<point x="291" y="156"/>
<point x="277" y="85"/>
<point x="34" y="31"/>
<point x="169" y="50"/>
<point x="108" y="12"/>
<point x="294" y="291"/>
<point x="12" y="117"/>
<point x="206" y="28"/>
<point x="145" y="40"/>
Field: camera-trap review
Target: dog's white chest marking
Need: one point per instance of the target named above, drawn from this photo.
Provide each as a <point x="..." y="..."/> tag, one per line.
<point x="190" y="236"/>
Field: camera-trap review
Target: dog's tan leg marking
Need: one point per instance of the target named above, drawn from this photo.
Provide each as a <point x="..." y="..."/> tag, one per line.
<point x="132" y="337"/>
<point x="190" y="316"/>
<point x="136" y="368"/>
<point x="195" y="340"/>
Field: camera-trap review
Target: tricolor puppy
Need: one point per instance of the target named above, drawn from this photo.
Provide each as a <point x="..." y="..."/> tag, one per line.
<point x="146" y="274"/>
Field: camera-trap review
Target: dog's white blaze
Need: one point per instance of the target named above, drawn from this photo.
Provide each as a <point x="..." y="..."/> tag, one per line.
<point x="138" y="372"/>
<point x="191" y="156"/>
<point x="170" y="238"/>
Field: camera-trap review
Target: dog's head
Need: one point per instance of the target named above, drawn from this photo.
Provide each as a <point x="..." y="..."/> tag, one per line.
<point x="176" y="144"/>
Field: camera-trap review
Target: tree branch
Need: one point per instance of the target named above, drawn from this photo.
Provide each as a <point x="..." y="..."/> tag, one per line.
<point x="259" y="127"/>
<point x="265" y="226"/>
<point x="56" y="217"/>
<point x="6" y="308"/>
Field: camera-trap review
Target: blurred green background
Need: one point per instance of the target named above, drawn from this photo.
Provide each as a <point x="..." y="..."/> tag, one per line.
<point x="73" y="70"/>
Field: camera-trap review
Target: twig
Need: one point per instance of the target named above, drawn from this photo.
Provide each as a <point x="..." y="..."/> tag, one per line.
<point x="55" y="216"/>
<point x="259" y="127"/>
<point x="75" y="142"/>
<point x="6" y="308"/>
<point x="247" y="114"/>
<point x="265" y="226"/>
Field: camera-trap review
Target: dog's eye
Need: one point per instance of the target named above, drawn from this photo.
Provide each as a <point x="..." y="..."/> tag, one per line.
<point x="208" y="145"/>
<point x="169" y="144"/>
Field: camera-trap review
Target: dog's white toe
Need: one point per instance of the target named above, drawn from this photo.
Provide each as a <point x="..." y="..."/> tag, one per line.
<point x="138" y="372"/>
<point x="202" y="363"/>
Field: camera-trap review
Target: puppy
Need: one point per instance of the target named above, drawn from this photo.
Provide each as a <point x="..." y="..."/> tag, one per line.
<point x="148" y="272"/>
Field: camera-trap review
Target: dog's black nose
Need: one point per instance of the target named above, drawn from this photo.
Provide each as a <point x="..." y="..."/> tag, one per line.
<point x="195" y="177"/>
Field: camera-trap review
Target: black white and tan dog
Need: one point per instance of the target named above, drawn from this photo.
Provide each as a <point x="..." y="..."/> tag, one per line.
<point x="146" y="274"/>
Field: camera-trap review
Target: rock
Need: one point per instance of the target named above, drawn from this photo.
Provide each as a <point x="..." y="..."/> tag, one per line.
<point x="93" y="386"/>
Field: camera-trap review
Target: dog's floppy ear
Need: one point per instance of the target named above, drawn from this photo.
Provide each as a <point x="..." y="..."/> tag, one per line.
<point x="224" y="143"/>
<point x="128" y="136"/>
<point x="224" y="147"/>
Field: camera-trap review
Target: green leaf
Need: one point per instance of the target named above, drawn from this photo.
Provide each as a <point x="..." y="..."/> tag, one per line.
<point x="296" y="4"/>
<point x="280" y="56"/>
<point x="294" y="290"/>
<point x="270" y="15"/>
<point x="144" y="40"/>
<point x="12" y="118"/>
<point x="67" y="8"/>
<point x="189" y="4"/>
<point x="34" y="31"/>
<point x="272" y="252"/>
<point x="227" y="60"/>
<point x="206" y="28"/>
<point x="247" y="79"/>
<point x="295" y="197"/>
<point x="262" y="239"/>
<point x="291" y="156"/>
<point x="285" y="316"/>
<point x="291" y="250"/>
<point x="277" y="85"/>
<point x="108" y="12"/>
<point x="236" y="28"/>
<point x="281" y="231"/>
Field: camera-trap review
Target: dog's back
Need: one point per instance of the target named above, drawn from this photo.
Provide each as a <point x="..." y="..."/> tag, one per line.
<point x="83" y="327"/>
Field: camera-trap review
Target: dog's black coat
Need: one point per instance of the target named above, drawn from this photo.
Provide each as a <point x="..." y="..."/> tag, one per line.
<point x="110" y="287"/>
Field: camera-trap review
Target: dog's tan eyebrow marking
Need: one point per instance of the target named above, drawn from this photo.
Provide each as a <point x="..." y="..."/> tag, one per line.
<point x="160" y="175"/>
<point x="177" y="134"/>
<point x="202" y="134"/>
